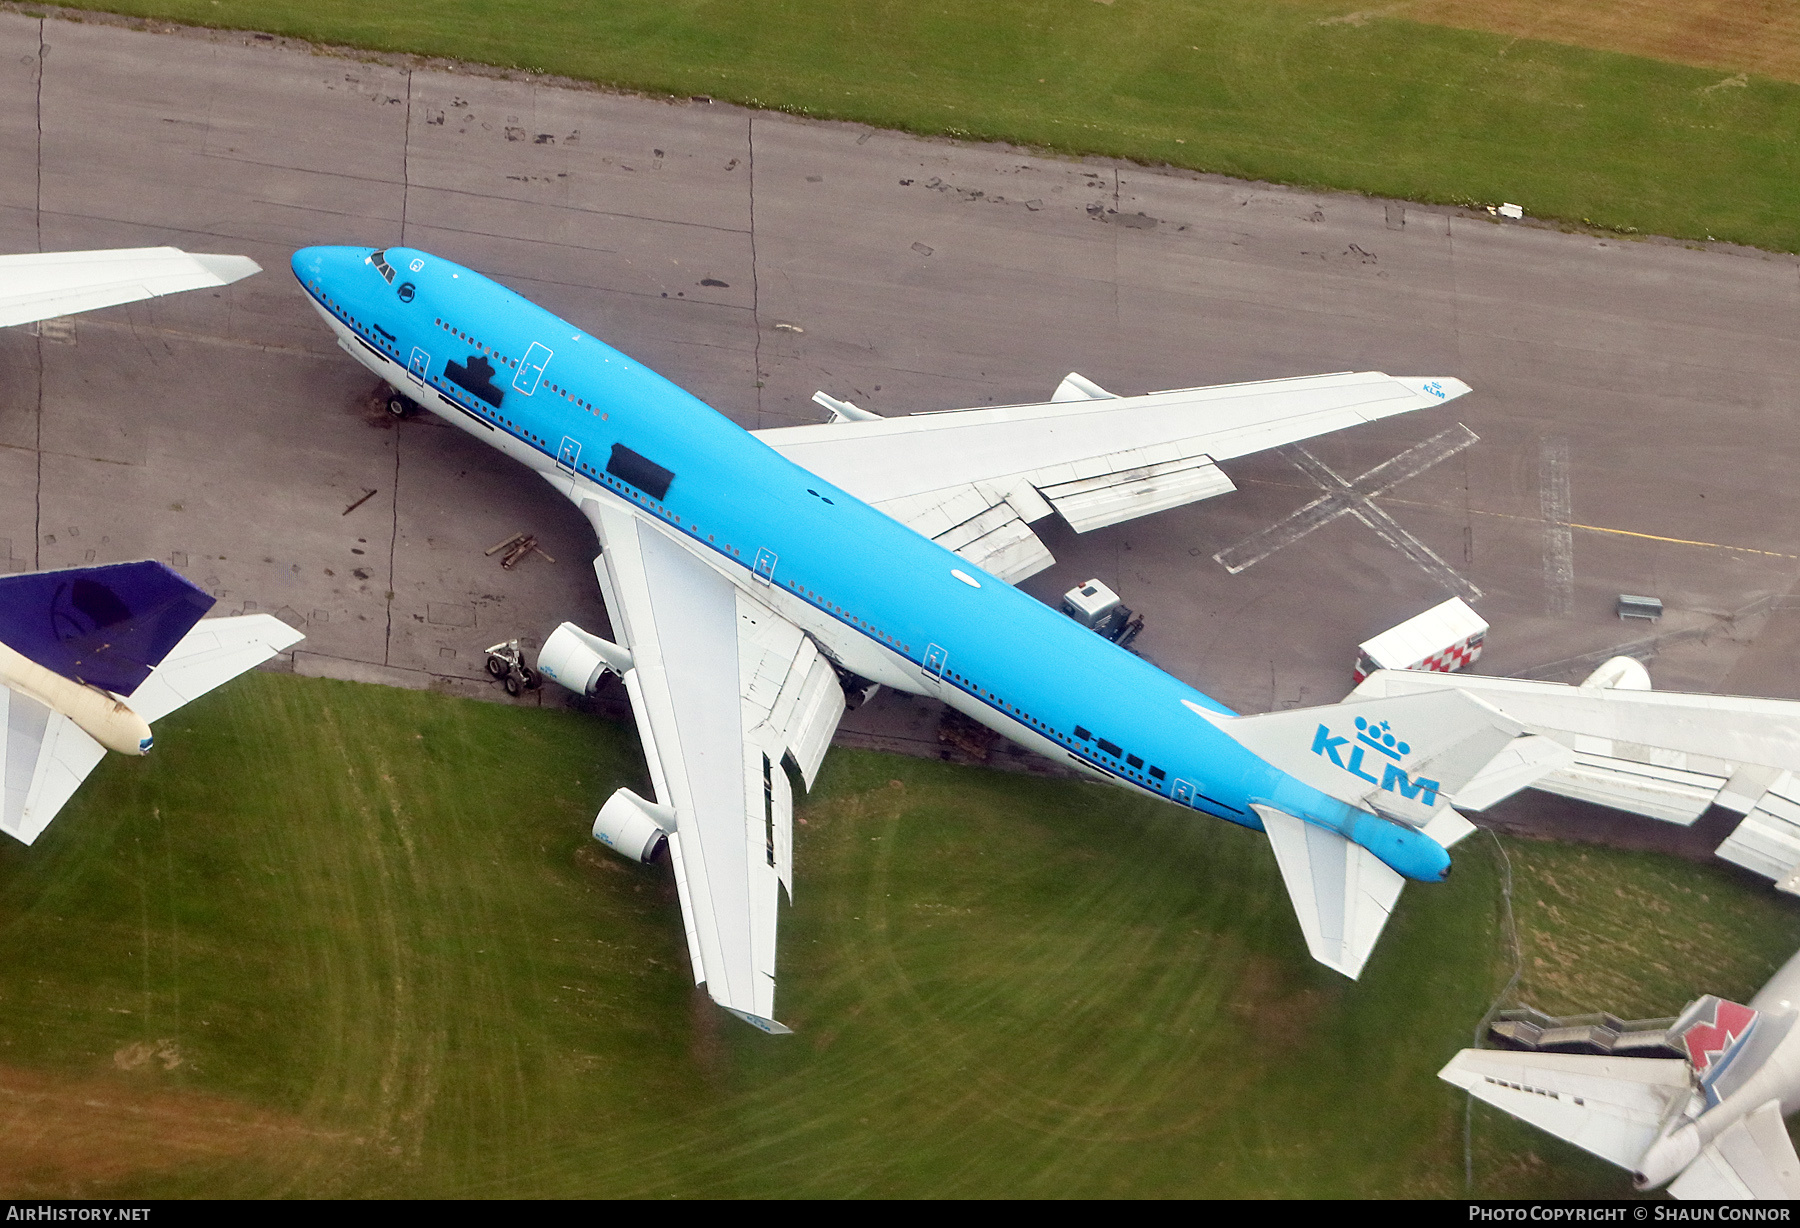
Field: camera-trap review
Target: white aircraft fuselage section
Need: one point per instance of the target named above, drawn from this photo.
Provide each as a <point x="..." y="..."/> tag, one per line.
<point x="885" y="602"/>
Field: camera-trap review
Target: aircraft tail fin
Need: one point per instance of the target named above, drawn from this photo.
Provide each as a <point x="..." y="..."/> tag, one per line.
<point x="1402" y="757"/>
<point x="1713" y="1031"/>
<point x="108" y="626"/>
<point x="1614" y="1107"/>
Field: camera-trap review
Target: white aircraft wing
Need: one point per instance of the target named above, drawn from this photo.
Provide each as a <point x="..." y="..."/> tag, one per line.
<point x="1610" y="1106"/>
<point x="723" y="690"/>
<point x="1752" y="1158"/>
<point x="45" y="758"/>
<point x="973" y="479"/>
<point x="1662" y="754"/>
<point x="39" y="285"/>
<point x="213" y="653"/>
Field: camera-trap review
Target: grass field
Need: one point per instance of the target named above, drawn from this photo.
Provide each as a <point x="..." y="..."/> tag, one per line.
<point x="1317" y="92"/>
<point x="336" y="939"/>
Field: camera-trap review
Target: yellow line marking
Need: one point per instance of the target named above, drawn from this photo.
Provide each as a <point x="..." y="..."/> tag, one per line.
<point x="1588" y="528"/>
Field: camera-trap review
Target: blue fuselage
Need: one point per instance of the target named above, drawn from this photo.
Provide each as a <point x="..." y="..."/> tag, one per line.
<point x="887" y="602"/>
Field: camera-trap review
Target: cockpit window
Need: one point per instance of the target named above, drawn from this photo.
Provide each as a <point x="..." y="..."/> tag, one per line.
<point x="379" y="260"/>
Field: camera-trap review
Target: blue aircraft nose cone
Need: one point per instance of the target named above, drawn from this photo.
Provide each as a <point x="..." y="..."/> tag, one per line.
<point x="311" y="263"/>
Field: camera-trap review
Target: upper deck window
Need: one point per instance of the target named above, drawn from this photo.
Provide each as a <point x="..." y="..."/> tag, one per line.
<point x="379" y="260"/>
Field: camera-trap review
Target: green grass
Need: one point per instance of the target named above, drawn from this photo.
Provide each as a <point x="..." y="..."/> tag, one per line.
<point x="371" y="924"/>
<point x="1258" y="89"/>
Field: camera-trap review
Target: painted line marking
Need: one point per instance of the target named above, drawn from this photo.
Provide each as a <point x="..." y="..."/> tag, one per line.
<point x="1355" y="498"/>
<point x="1577" y="525"/>
<point x="1559" y="541"/>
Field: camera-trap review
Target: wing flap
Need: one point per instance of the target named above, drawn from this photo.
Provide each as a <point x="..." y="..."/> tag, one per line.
<point x="1342" y="893"/>
<point x="1610" y="1106"/>
<point x="39" y="285"/>
<point x="1129" y="489"/>
<point x="985" y="524"/>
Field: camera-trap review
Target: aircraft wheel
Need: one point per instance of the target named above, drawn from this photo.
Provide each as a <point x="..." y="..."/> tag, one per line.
<point x="530" y="677"/>
<point x="399" y="405"/>
<point x="512" y="684"/>
<point x="496" y="667"/>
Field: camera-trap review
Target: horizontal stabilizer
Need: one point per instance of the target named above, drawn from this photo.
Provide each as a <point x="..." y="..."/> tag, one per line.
<point x="107" y="626"/>
<point x="39" y="285"/>
<point x="44" y="757"/>
<point x="1520" y="764"/>
<point x="1610" y="1106"/>
<point x="1342" y="893"/>
<point x="212" y="654"/>
<point x="1405" y="757"/>
<point x="1752" y="1158"/>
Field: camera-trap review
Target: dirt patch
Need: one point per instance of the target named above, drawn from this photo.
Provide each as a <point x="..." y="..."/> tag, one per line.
<point x="1735" y="36"/>
<point x="60" y="1136"/>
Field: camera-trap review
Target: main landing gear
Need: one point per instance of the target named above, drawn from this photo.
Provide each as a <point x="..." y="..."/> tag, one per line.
<point x="506" y="661"/>
<point x="399" y="404"/>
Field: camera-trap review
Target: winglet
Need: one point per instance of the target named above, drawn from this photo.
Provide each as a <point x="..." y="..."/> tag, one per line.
<point x="1437" y="387"/>
<point x="770" y="1026"/>
<point x="226" y="268"/>
<point x="845" y="411"/>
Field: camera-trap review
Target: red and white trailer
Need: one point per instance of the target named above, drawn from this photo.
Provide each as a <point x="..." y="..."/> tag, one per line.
<point x="1443" y="639"/>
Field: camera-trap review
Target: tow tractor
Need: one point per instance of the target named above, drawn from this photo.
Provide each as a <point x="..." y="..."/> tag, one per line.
<point x="1099" y="609"/>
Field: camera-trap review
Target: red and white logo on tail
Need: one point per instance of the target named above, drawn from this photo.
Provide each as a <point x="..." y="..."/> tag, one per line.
<point x="1711" y="1031"/>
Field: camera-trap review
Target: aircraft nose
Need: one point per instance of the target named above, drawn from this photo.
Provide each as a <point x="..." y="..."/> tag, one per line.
<point x="312" y="263"/>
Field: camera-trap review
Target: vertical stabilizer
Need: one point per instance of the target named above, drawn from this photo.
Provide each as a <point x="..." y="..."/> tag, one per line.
<point x="1713" y="1032"/>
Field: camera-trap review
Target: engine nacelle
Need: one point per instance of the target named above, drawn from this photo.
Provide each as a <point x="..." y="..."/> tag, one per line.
<point x="577" y="659"/>
<point x="633" y="827"/>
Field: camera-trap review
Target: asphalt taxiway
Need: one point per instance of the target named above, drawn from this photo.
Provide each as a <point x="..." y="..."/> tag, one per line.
<point x="1633" y="399"/>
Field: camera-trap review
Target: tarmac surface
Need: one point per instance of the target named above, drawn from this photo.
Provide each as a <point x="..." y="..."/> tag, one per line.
<point x="1633" y="399"/>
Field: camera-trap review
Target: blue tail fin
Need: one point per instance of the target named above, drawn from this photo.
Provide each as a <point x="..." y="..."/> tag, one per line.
<point x="108" y="626"/>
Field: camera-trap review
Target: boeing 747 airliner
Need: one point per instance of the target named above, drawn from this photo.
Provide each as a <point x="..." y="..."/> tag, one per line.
<point x="752" y="576"/>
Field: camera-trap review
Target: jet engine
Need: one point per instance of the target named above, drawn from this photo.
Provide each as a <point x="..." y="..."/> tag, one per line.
<point x="633" y="827"/>
<point x="578" y="660"/>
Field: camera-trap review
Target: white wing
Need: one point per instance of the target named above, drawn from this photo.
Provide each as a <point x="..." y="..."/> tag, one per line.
<point x="45" y="758"/>
<point x="1610" y="1106"/>
<point x="974" y="478"/>
<point x="1752" y="1158"/>
<point x="723" y="689"/>
<point x="37" y="286"/>
<point x="1341" y="892"/>
<point x="213" y="653"/>
<point x="1662" y="754"/>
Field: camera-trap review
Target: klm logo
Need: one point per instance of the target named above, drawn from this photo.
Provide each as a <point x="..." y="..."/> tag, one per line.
<point x="1381" y="740"/>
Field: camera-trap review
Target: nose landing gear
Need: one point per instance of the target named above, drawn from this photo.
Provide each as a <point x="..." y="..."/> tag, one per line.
<point x="399" y="404"/>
